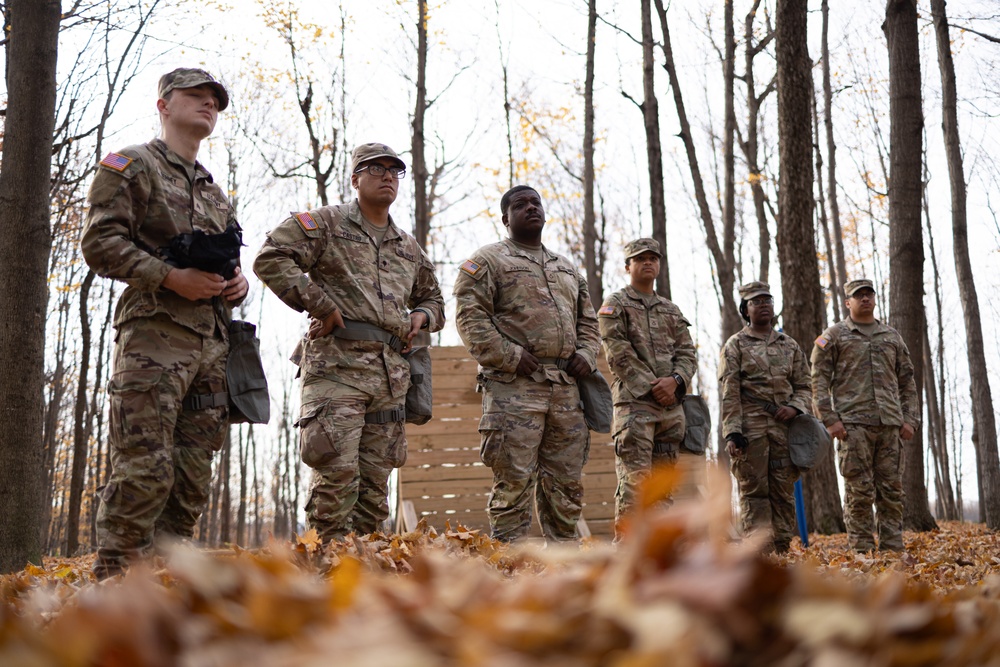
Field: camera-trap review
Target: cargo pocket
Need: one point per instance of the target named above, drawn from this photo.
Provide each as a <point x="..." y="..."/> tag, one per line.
<point x="397" y="446"/>
<point x="318" y="446"/>
<point x="135" y="409"/>
<point x="620" y="431"/>
<point x="491" y="430"/>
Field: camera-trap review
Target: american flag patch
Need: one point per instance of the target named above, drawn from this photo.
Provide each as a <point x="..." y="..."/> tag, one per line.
<point x="822" y="342"/>
<point x="306" y="221"/>
<point x="606" y="310"/>
<point x="470" y="267"/>
<point x="116" y="161"/>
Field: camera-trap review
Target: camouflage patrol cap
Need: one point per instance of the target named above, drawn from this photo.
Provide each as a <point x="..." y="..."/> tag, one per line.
<point x="366" y="152"/>
<point x="853" y="286"/>
<point x="640" y="246"/>
<point x="754" y="289"/>
<point x="187" y="77"/>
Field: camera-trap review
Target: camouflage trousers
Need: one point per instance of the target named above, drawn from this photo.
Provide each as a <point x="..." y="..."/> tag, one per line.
<point x="870" y="462"/>
<point x="535" y="439"/>
<point x="161" y="452"/>
<point x="766" y="478"/>
<point x="351" y="459"/>
<point x="646" y="435"/>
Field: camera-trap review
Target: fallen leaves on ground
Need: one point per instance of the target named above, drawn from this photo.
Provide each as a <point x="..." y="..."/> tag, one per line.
<point x="676" y="591"/>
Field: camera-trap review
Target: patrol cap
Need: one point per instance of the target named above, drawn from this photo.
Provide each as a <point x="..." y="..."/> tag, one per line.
<point x="853" y="286"/>
<point x="366" y="152"/>
<point x="754" y="289"/>
<point x="640" y="246"/>
<point x="187" y="77"/>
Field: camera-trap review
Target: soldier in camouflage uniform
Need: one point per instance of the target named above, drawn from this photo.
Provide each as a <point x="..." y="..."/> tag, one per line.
<point x="863" y="390"/>
<point x="351" y="262"/>
<point x="653" y="359"/>
<point x="168" y="401"/>
<point x="525" y="314"/>
<point x="765" y="384"/>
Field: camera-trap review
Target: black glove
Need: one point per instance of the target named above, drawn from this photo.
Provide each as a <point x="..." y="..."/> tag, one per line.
<point x="739" y="442"/>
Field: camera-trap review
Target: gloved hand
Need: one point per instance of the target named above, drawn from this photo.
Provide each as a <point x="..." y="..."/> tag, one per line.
<point x="736" y="444"/>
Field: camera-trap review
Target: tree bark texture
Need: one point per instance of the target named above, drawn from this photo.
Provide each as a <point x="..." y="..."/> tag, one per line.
<point x="25" y="243"/>
<point x="983" y="413"/>
<point x="422" y="218"/>
<point x="797" y="260"/>
<point x="751" y="145"/>
<point x="595" y="280"/>
<point x="906" y="244"/>
<point x="654" y="153"/>
<point x="831" y="157"/>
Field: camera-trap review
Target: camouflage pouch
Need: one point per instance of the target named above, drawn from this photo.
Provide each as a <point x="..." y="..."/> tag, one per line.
<point x="698" y="423"/>
<point x="420" y="395"/>
<point x="598" y="409"/>
<point x="249" y="401"/>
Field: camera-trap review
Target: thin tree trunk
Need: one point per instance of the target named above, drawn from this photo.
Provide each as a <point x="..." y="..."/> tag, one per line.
<point x="654" y="153"/>
<point x="750" y="147"/>
<point x="80" y="415"/>
<point x="594" y="278"/>
<point x="823" y="222"/>
<point x="983" y="415"/>
<point x="422" y="221"/>
<point x="906" y="247"/>
<point x="25" y="242"/>
<point x="831" y="156"/>
<point x="800" y="288"/>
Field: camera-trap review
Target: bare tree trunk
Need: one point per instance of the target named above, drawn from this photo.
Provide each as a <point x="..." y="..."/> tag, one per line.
<point x="801" y="291"/>
<point x="831" y="156"/>
<point x="906" y="246"/>
<point x="983" y="415"/>
<point x="81" y="435"/>
<point x="422" y="221"/>
<point x="595" y="279"/>
<point x="750" y="146"/>
<point x="25" y="242"/>
<point x="654" y="153"/>
<point x="823" y="222"/>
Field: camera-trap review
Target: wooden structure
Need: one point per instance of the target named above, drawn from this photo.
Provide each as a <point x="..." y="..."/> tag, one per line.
<point x="444" y="479"/>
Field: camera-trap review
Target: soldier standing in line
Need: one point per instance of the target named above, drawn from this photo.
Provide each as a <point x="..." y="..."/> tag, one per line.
<point x="369" y="289"/>
<point x="863" y="391"/>
<point x="765" y="384"/>
<point x="653" y="359"/>
<point x="524" y="313"/>
<point x="168" y="400"/>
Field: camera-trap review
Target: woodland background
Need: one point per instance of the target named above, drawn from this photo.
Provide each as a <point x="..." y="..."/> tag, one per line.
<point x="796" y="142"/>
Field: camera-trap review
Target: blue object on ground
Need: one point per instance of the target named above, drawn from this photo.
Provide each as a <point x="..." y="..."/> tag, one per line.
<point x="800" y="513"/>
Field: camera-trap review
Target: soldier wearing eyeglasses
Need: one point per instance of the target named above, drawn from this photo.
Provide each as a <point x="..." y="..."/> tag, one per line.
<point x="864" y="392"/>
<point x="765" y="384"/>
<point x="368" y="289"/>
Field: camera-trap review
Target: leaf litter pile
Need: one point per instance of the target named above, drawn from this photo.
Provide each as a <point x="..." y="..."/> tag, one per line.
<point x="677" y="591"/>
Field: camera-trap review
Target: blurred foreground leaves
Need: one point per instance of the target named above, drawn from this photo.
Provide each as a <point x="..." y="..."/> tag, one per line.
<point x="677" y="591"/>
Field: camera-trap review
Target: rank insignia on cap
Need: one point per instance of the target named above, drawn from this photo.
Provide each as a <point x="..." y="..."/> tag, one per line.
<point x="822" y="342"/>
<point x="470" y="267"/>
<point x="116" y="161"/>
<point x="306" y="221"/>
<point x="606" y="310"/>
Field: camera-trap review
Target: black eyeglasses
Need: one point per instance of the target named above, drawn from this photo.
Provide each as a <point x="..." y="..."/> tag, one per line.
<point x="761" y="301"/>
<point x="378" y="170"/>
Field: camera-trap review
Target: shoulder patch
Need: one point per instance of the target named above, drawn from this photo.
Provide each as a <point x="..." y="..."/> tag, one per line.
<point x="306" y="222"/>
<point x="606" y="310"/>
<point x="116" y="161"/>
<point x="822" y="342"/>
<point x="470" y="267"/>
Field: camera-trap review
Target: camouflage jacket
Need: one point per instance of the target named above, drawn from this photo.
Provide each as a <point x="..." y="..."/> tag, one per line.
<point x="643" y="344"/>
<point x="141" y="198"/>
<point x="322" y="260"/>
<point x="859" y="379"/>
<point x="507" y="302"/>
<point x="771" y="369"/>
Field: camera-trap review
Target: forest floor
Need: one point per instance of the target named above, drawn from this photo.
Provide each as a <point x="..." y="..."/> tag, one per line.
<point x="676" y="591"/>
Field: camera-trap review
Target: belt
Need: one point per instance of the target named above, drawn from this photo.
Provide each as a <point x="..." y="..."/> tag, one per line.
<point x="769" y="408"/>
<point x="562" y="364"/>
<point x="386" y="416"/>
<point x="355" y="330"/>
<point x="205" y="401"/>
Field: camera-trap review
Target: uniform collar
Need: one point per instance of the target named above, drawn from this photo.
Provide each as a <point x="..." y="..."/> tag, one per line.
<point x="355" y="216"/>
<point x="636" y="295"/>
<point x="521" y="252"/>
<point x="851" y="324"/>
<point x="200" y="172"/>
<point x="772" y="336"/>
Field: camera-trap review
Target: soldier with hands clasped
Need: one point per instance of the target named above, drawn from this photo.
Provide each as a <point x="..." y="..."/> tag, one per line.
<point x="168" y="391"/>
<point x="864" y="392"/>
<point x="765" y="384"/>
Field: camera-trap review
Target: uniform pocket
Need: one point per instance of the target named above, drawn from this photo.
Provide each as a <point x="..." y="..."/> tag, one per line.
<point x="397" y="446"/>
<point x="135" y="409"/>
<point x="491" y="431"/>
<point x="318" y="447"/>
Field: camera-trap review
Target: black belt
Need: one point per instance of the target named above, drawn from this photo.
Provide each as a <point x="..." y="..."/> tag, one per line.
<point x="386" y="416"/>
<point x="562" y="364"/>
<point x="205" y="401"/>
